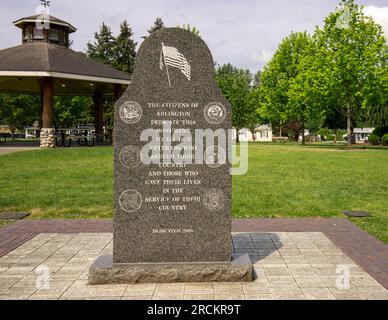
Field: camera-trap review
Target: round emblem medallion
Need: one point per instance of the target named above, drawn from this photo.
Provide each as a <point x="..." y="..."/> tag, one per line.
<point x="215" y="156"/>
<point x="214" y="200"/>
<point x="130" y="156"/>
<point x="215" y="113"/>
<point x="131" y="112"/>
<point x="130" y="201"/>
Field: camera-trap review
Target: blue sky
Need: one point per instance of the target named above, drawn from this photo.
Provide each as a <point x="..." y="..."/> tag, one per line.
<point x="243" y="32"/>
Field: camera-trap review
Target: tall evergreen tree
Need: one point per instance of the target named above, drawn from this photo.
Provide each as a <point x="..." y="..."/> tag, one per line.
<point x="125" y="49"/>
<point x="158" y="24"/>
<point x="103" y="48"/>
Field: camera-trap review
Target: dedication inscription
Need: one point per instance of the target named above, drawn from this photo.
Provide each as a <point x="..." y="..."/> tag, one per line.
<point x="172" y="172"/>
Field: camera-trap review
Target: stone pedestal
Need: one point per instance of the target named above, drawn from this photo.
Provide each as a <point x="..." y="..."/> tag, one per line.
<point x="47" y="138"/>
<point x="103" y="271"/>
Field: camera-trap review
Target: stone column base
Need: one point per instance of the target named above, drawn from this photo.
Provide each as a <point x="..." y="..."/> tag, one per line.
<point x="47" y="138"/>
<point x="103" y="272"/>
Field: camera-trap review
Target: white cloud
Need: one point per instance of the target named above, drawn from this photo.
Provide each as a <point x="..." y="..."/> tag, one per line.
<point x="380" y="15"/>
<point x="235" y="30"/>
<point x="262" y="56"/>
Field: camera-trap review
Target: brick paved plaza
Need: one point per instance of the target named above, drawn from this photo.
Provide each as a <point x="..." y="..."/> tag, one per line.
<point x="288" y="265"/>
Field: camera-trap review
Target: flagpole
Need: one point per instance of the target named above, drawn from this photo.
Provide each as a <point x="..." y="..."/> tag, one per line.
<point x="168" y="73"/>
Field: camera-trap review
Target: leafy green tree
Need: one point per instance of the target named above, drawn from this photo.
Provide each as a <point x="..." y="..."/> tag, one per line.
<point x="103" y="47"/>
<point x="190" y="28"/>
<point x="72" y="111"/>
<point x="236" y="85"/>
<point x="125" y="49"/>
<point x="351" y="64"/>
<point x="19" y="111"/>
<point x="257" y="79"/>
<point x="283" y="98"/>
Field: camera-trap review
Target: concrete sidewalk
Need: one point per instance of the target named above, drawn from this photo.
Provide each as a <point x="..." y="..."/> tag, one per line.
<point x="7" y="149"/>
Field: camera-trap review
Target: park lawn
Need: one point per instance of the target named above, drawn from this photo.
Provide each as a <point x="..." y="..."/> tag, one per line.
<point x="283" y="181"/>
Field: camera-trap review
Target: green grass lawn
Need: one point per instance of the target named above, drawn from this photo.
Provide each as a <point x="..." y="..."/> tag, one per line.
<point x="283" y="181"/>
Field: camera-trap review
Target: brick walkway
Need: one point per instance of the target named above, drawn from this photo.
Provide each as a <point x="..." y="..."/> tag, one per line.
<point x="367" y="252"/>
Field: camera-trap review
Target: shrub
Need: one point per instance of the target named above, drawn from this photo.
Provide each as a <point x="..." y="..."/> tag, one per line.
<point x="374" y="139"/>
<point x="380" y="132"/>
<point x="384" y="140"/>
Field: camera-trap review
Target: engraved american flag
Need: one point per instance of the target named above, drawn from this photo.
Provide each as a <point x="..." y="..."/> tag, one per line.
<point x="170" y="56"/>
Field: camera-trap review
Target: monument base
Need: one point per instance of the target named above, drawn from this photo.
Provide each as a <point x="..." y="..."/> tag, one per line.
<point x="103" y="271"/>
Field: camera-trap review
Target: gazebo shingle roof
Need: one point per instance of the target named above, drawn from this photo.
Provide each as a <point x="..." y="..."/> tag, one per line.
<point x="38" y="17"/>
<point x="47" y="57"/>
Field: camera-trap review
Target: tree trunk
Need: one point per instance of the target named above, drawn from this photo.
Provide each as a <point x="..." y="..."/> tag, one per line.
<point x="253" y="135"/>
<point x="303" y="135"/>
<point x="118" y="92"/>
<point x="335" y="136"/>
<point x="237" y="136"/>
<point x="349" y="126"/>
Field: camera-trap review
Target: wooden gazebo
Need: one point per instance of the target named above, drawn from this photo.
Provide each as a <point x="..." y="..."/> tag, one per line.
<point x="44" y="64"/>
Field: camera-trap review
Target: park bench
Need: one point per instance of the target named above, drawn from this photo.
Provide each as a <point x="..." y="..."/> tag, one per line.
<point x="280" y="139"/>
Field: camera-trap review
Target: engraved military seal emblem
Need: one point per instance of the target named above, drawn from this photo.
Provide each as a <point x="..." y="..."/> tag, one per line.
<point x="130" y="156"/>
<point x="214" y="200"/>
<point x="131" y="112"/>
<point x="215" y="156"/>
<point x="215" y="113"/>
<point x="130" y="201"/>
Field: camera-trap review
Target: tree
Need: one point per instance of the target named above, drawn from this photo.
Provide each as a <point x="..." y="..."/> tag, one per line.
<point x="158" y="24"/>
<point x="334" y="120"/>
<point x="18" y="111"/>
<point x="125" y="49"/>
<point x="190" y="28"/>
<point x="235" y="84"/>
<point x="352" y="60"/>
<point x="103" y="48"/>
<point x="72" y="111"/>
<point x="257" y="79"/>
<point x="119" y="52"/>
<point x="283" y="95"/>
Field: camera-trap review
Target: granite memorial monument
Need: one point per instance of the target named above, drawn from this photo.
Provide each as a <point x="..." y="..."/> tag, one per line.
<point x="172" y="220"/>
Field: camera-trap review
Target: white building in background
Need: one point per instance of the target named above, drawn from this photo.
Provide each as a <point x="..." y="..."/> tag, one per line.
<point x="362" y="134"/>
<point x="32" y="132"/>
<point x="263" y="134"/>
<point x="306" y="133"/>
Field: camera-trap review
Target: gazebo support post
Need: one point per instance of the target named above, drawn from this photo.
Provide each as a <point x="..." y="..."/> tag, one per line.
<point x="47" y="135"/>
<point x="98" y="100"/>
<point x="118" y="92"/>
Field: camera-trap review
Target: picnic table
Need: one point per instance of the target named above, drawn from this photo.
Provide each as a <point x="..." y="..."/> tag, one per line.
<point x="84" y="137"/>
<point x="280" y="139"/>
